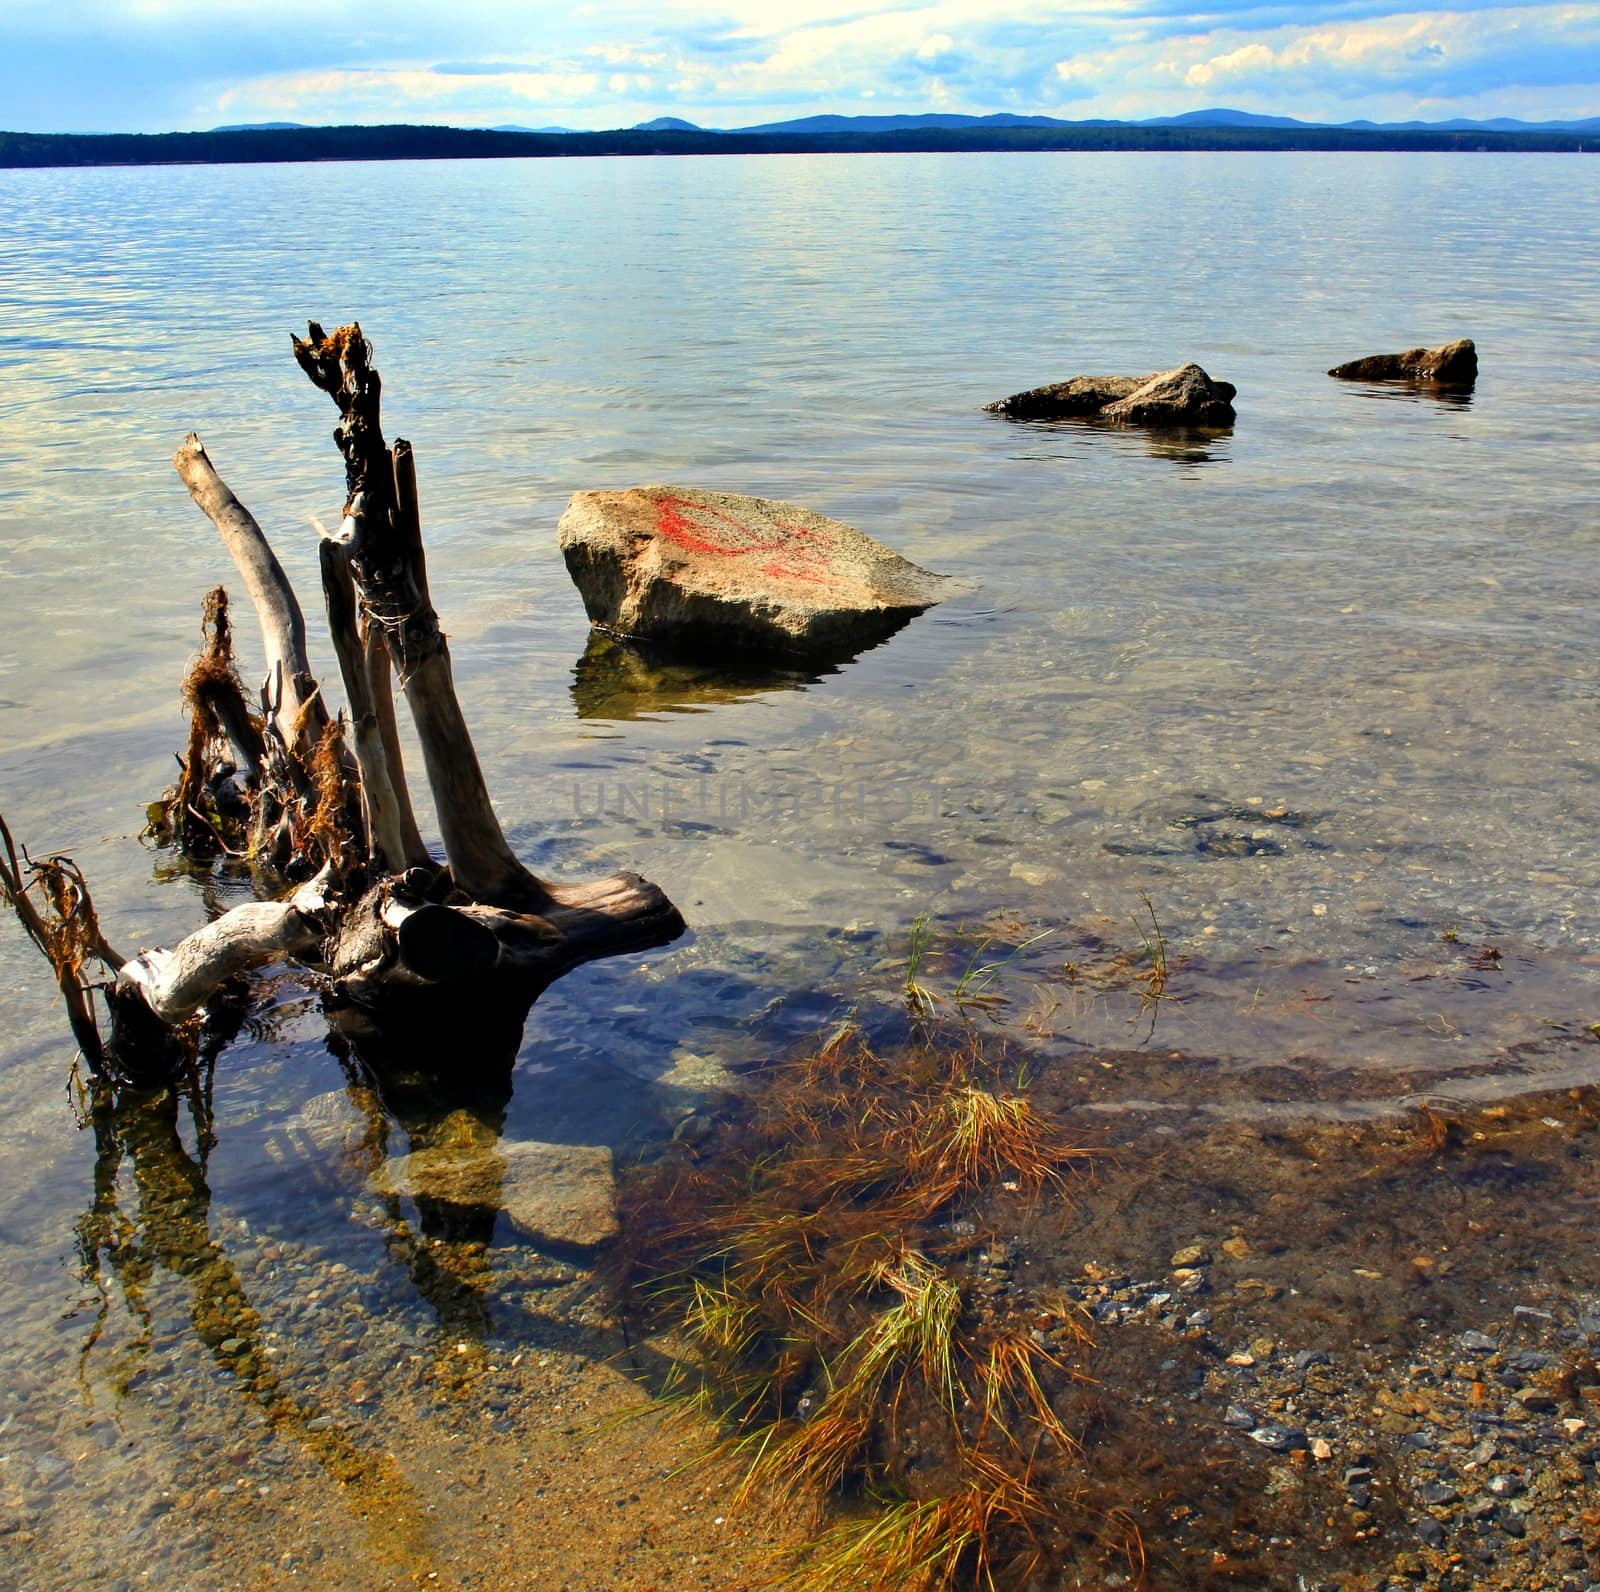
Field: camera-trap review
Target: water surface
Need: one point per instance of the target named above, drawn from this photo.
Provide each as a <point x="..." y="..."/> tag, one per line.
<point x="1320" y="688"/>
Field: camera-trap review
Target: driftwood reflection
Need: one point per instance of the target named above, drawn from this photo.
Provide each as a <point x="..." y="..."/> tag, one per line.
<point x="445" y="1086"/>
<point x="141" y="1133"/>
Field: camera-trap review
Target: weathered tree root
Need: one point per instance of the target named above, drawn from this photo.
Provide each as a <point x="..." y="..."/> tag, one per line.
<point x="380" y="916"/>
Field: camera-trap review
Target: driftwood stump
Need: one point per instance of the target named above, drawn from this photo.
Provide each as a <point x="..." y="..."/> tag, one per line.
<point x="305" y="795"/>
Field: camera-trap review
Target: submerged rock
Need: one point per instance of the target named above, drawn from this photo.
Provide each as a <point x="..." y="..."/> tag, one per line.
<point x="553" y="1193"/>
<point x="560" y="1193"/>
<point x="1185" y="396"/>
<point x="1453" y="364"/>
<point x="706" y="573"/>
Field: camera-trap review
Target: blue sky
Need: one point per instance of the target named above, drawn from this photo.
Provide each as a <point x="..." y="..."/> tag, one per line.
<point x="156" y="65"/>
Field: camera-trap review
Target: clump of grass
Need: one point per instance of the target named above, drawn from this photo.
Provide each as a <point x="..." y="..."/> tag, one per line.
<point x="1102" y="972"/>
<point x="925" y="1546"/>
<point x="1155" y="948"/>
<point x="919" y="998"/>
<point x="977" y="986"/>
<point x="808" y="1264"/>
<point x="974" y="1136"/>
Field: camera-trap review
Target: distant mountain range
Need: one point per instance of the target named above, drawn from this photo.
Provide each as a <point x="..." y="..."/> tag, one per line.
<point x="1218" y="117"/>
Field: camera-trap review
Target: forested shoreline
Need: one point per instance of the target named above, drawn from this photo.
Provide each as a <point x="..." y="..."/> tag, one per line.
<point x="409" y="142"/>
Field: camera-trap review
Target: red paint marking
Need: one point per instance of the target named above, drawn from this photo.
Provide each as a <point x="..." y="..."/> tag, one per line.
<point x="673" y="522"/>
<point x="699" y="528"/>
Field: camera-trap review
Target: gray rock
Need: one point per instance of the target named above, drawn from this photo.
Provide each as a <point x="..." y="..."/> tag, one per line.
<point x="1184" y="396"/>
<point x="705" y="572"/>
<point x="1449" y="364"/>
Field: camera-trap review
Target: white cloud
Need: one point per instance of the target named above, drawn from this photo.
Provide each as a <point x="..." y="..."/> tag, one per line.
<point x="729" y="62"/>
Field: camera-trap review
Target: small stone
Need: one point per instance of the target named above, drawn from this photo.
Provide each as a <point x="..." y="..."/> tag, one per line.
<point x="1237" y="1415"/>
<point x="1530" y="1360"/>
<point x="1430" y="1533"/>
<point x="1537" y="1400"/>
<point x="1190" y="1255"/>
<point x="1478" y="1342"/>
<point x="1278" y="1438"/>
<point x="1235" y="1248"/>
<point x="1438" y="1493"/>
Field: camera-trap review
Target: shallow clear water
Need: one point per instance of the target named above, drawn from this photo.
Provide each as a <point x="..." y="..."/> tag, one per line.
<point x="1321" y="688"/>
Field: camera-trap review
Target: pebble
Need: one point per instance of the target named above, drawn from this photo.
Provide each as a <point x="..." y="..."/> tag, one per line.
<point x="1278" y="1438"/>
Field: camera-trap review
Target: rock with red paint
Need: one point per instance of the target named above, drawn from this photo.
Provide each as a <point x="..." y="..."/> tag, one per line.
<point x="1186" y="396"/>
<point x="1450" y="365"/>
<point x="706" y="573"/>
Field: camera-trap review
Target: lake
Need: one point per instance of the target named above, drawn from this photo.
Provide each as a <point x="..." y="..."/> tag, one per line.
<point x="1312" y="700"/>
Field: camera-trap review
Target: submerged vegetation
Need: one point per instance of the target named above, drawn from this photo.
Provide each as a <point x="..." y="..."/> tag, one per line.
<point x="816" y="1279"/>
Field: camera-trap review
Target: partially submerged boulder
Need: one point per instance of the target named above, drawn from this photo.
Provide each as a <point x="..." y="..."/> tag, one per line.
<point x="1067" y="400"/>
<point x="705" y="573"/>
<point x="1186" y="396"/>
<point x="1450" y="364"/>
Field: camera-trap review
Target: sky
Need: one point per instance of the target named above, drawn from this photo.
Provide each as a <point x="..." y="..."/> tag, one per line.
<point x="165" y="65"/>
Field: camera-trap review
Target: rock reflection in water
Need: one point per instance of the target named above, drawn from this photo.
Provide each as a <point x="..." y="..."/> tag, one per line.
<point x="617" y="679"/>
<point x="1191" y="446"/>
<point x="1447" y="395"/>
<point x="1184" y="445"/>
